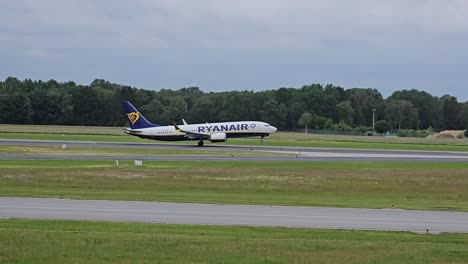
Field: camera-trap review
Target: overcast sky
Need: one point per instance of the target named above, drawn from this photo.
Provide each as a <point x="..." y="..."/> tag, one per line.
<point x="237" y="45"/>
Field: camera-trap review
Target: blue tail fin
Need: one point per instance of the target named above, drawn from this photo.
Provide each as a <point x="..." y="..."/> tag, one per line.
<point x="136" y="119"/>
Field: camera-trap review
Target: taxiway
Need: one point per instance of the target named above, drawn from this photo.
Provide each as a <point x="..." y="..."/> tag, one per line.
<point x="242" y="215"/>
<point x="295" y="153"/>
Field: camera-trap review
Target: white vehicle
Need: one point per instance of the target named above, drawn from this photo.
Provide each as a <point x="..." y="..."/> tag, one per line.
<point x="214" y="132"/>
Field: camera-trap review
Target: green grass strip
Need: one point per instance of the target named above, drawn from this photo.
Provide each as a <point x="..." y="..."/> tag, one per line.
<point x="434" y="186"/>
<point x="233" y="164"/>
<point x="44" y="241"/>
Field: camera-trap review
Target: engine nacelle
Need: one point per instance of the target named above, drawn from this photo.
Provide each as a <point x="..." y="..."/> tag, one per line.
<point x="218" y="137"/>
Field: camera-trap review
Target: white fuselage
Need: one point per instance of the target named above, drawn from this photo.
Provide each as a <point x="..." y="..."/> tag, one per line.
<point x="231" y="129"/>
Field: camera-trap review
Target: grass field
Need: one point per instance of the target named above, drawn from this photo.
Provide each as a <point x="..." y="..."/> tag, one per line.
<point x="439" y="186"/>
<point x="435" y="186"/>
<point x="41" y="241"/>
<point x="116" y="134"/>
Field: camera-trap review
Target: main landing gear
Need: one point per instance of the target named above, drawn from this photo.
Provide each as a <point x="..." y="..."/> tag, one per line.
<point x="200" y="143"/>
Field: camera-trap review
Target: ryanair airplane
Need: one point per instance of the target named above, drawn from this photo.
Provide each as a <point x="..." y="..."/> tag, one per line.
<point x="214" y="132"/>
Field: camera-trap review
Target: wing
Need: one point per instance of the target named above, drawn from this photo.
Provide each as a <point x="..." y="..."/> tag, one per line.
<point x="192" y="135"/>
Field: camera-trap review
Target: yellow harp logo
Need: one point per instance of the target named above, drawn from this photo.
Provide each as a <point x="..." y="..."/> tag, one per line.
<point x="133" y="117"/>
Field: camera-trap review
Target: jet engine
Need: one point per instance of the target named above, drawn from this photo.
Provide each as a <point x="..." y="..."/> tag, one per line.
<point x="218" y="137"/>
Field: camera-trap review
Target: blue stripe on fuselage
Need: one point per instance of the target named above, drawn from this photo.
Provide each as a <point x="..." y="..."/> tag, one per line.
<point x="164" y="137"/>
<point x="182" y="137"/>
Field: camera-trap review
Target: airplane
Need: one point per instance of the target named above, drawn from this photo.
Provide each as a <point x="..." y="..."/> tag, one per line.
<point x="213" y="132"/>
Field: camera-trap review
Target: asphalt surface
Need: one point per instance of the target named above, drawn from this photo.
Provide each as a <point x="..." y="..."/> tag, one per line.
<point x="285" y="216"/>
<point x="243" y="215"/>
<point x="297" y="153"/>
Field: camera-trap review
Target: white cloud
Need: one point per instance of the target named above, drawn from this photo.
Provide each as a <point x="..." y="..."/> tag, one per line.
<point x="241" y="44"/>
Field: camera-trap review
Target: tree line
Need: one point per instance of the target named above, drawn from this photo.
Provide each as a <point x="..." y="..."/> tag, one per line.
<point x="317" y="106"/>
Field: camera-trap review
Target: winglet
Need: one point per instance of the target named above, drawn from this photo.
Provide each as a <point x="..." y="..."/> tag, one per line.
<point x="176" y="127"/>
<point x="185" y="122"/>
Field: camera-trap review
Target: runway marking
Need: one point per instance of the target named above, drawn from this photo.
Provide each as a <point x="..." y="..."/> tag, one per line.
<point x="240" y="214"/>
<point x="370" y="155"/>
<point x="301" y="153"/>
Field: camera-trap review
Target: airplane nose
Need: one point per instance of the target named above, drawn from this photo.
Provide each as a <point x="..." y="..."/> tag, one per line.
<point x="273" y="129"/>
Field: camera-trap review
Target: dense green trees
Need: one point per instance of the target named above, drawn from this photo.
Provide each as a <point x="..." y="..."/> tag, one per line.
<point x="363" y="101"/>
<point x="345" y="112"/>
<point x="464" y="116"/>
<point x="315" y="105"/>
<point x="306" y="120"/>
<point x="451" y="110"/>
<point x="402" y="114"/>
<point x="382" y="126"/>
<point x="428" y="107"/>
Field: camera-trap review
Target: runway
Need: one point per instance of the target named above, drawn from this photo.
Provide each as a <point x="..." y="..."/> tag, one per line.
<point x="296" y="153"/>
<point x="242" y="215"/>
